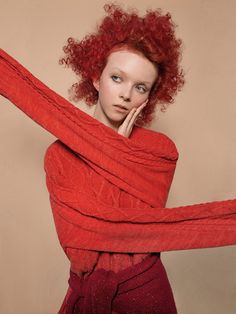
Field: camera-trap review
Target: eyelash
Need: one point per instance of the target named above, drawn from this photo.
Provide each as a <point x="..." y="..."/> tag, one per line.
<point x="144" y="90"/>
<point x="115" y="77"/>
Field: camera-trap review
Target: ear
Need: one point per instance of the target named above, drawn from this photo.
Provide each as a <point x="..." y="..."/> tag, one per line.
<point x="96" y="84"/>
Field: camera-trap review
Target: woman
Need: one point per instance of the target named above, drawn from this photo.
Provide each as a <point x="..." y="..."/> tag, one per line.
<point x="108" y="177"/>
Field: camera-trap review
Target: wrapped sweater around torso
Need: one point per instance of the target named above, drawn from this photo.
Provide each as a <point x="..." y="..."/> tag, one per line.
<point x="108" y="192"/>
<point x="59" y="156"/>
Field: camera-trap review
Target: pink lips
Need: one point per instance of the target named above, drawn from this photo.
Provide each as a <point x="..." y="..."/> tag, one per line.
<point x="120" y="108"/>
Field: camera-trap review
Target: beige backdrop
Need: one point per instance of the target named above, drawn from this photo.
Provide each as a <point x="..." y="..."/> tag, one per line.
<point x="33" y="268"/>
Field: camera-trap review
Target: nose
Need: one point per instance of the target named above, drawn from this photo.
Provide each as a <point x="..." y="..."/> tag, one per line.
<point x="125" y="94"/>
<point x="127" y="99"/>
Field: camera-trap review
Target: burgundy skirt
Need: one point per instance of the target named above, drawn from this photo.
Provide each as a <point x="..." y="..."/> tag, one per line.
<point x="142" y="288"/>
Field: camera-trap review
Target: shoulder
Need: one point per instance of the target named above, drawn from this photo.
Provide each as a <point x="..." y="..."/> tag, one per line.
<point x="54" y="154"/>
<point x="53" y="148"/>
<point x="160" y="142"/>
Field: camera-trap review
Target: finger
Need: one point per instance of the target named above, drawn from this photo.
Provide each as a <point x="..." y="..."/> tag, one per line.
<point x="134" y="118"/>
<point x="128" y="117"/>
<point x="143" y="105"/>
<point x="133" y="114"/>
<point x="140" y="108"/>
<point x="137" y="112"/>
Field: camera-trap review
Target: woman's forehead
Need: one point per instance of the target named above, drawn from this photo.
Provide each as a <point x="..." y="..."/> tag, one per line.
<point x="130" y="61"/>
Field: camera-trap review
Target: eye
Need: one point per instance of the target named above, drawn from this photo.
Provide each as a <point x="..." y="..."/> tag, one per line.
<point x="141" y="89"/>
<point x="116" y="78"/>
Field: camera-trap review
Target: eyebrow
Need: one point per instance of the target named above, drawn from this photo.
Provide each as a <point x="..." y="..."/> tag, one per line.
<point x="141" y="82"/>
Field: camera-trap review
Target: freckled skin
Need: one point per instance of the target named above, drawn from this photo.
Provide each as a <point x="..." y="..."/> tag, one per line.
<point x="126" y="80"/>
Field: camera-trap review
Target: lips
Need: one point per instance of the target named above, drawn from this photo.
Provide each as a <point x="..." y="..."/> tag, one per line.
<point x="121" y="107"/>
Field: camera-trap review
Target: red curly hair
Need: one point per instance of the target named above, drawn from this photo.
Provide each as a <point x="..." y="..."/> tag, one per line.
<point x="153" y="35"/>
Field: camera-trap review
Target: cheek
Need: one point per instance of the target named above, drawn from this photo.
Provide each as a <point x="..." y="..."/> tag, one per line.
<point x="106" y="94"/>
<point x="138" y="99"/>
<point x="108" y="90"/>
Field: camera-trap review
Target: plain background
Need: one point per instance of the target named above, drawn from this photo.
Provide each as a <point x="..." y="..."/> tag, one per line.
<point x="33" y="268"/>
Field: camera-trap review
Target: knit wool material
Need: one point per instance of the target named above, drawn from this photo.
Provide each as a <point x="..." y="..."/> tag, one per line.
<point x="108" y="192"/>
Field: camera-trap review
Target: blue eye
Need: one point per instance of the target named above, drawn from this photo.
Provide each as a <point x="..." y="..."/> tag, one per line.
<point x="116" y="78"/>
<point x="141" y="89"/>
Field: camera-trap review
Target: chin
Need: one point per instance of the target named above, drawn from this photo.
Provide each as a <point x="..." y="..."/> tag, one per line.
<point x="117" y="116"/>
<point x="117" y="119"/>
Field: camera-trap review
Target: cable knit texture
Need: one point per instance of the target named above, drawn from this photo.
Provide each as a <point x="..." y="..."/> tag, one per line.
<point x="108" y="192"/>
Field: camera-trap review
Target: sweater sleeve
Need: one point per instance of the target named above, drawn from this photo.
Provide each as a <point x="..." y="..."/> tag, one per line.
<point x="115" y="158"/>
<point x="107" y="152"/>
<point x="128" y="230"/>
<point x="85" y="222"/>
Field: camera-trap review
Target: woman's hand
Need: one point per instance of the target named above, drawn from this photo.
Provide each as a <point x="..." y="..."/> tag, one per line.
<point x="127" y="125"/>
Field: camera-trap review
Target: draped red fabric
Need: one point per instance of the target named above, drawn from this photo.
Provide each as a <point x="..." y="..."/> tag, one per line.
<point x="124" y="292"/>
<point x="141" y="166"/>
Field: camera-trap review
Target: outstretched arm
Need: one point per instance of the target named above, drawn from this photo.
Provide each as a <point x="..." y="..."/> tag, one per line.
<point x="116" y="158"/>
<point x="108" y="152"/>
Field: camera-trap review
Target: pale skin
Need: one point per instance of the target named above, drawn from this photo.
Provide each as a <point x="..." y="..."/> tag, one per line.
<point x="126" y="80"/>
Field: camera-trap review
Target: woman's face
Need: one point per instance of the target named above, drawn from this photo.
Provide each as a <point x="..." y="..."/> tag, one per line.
<point x="126" y="81"/>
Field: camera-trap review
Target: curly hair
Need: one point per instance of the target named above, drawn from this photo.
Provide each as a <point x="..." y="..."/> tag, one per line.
<point x="153" y="35"/>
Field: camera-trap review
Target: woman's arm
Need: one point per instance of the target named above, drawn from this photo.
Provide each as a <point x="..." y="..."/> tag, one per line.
<point x="124" y="163"/>
<point x="84" y="223"/>
<point x="40" y="103"/>
<point x="112" y="155"/>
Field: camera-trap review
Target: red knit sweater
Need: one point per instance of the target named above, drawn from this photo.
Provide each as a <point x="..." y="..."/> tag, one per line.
<point x="108" y="192"/>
